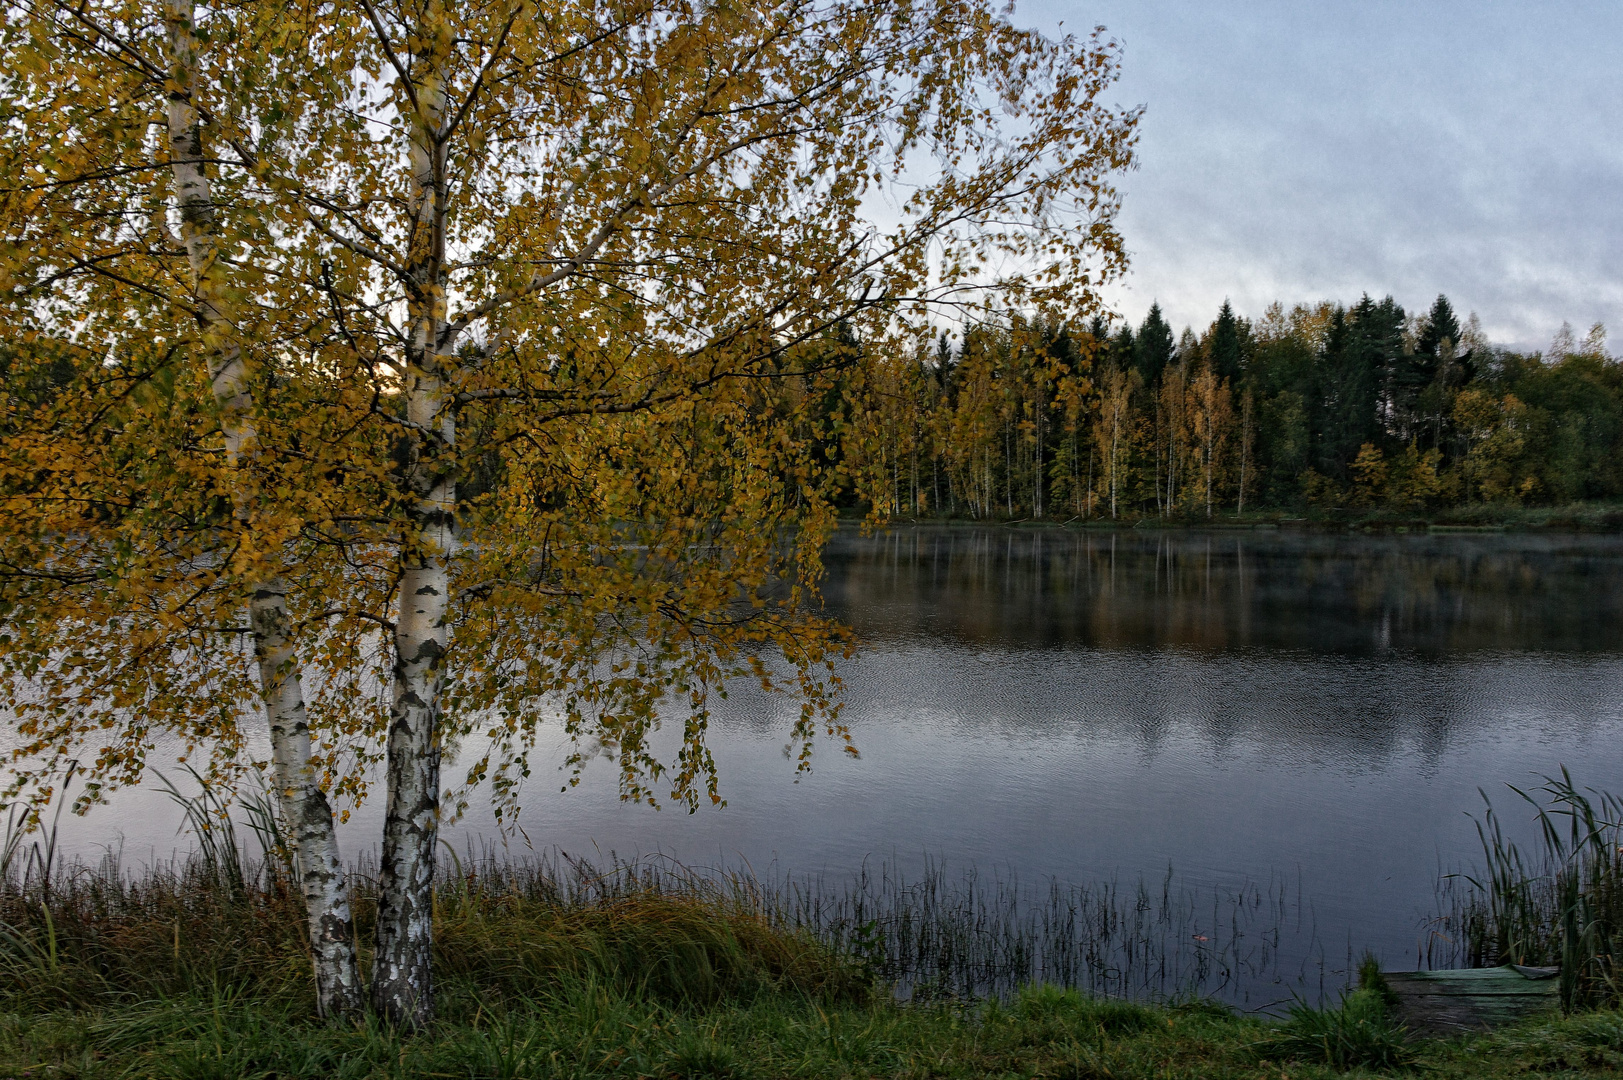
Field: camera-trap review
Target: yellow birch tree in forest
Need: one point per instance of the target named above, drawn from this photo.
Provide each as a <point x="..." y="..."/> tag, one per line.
<point x="1493" y="432"/>
<point x="1369" y="471"/>
<point x="1247" y="430"/>
<point x="973" y="423"/>
<point x="1210" y="416"/>
<point x="1174" y="438"/>
<point x="1076" y="399"/>
<point x="384" y="378"/>
<point x="1037" y="378"/>
<point x="889" y="434"/>
<point x="1114" y="430"/>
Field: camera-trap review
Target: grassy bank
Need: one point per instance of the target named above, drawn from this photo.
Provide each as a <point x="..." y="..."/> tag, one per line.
<point x="199" y="971"/>
<point x="558" y="968"/>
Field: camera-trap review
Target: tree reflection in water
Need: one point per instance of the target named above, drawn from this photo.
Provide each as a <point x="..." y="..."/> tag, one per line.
<point x="1226" y="591"/>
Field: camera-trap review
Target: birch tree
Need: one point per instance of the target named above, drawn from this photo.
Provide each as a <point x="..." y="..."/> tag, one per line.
<point x="99" y="107"/>
<point x="304" y="806"/>
<point x="1210" y="416"/>
<point x="1113" y="431"/>
<point x="469" y="377"/>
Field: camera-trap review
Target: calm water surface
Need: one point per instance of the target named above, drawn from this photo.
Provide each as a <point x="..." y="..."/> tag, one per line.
<point x="1252" y="706"/>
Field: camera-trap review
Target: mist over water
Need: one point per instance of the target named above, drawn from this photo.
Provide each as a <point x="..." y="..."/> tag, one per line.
<point x="1224" y="592"/>
<point x="1311" y="711"/>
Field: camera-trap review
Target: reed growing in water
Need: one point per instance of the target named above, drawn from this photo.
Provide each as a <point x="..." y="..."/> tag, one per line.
<point x="1559" y="904"/>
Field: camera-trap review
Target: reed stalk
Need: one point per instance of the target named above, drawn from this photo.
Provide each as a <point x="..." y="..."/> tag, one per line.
<point x="1557" y="905"/>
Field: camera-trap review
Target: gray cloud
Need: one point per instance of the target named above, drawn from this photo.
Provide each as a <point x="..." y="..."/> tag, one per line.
<point x="1301" y="151"/>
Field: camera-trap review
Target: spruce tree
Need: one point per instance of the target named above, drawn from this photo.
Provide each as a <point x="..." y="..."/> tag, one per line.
<point x="1378" y="334"/>
<point x="1226" y="347"/>
<point x="1346" y="380"/>
<point x="1440" y="325"/>
<point x="1154" y="347"/>
<point x="1124" y="348"/>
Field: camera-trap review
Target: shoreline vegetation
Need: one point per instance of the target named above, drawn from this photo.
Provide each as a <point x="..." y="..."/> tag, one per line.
<point x="1597" y="517"/>
<point x="559" y="968"/>
<point x="189" y="973"/>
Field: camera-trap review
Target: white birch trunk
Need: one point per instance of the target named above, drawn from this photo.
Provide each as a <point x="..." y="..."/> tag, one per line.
<point x="1115" y="456"/>
<point x="1037" y="470"/>
<point x="306" y="813"/>
<point x="402" y="977"/>
<point x="1089" y="511"/>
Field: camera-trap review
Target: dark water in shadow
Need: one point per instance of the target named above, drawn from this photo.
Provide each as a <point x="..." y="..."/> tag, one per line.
<point x="1310" y="716"/>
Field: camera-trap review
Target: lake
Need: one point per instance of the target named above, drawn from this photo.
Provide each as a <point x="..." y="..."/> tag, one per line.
<point x="1307" y="715"/>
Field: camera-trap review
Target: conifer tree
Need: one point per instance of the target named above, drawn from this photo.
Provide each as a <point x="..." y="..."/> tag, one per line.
<point x="1226" y="353"/>
<point x="1440" y="325"/>
<point x="1153" y="346"/>
<point x="1377" y="337"/>
<point x="1346" y="383"/>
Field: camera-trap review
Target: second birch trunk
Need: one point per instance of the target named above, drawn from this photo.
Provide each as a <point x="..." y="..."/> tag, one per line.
<point x="305" y="811"/>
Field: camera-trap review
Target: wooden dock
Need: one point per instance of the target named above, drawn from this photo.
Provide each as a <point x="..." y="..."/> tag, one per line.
<point x="1474" y="999"/>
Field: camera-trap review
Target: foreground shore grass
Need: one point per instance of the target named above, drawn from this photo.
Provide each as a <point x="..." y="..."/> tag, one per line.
<point x="199" y="974"/>
<point x="586" y="1030"/>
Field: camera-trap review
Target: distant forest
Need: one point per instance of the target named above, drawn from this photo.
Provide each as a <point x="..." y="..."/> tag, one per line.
<point x="1327" y="406"/>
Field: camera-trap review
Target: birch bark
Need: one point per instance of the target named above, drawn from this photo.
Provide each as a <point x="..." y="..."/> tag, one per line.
<point x="402" y="981"/>
<point x="304" y="806"/>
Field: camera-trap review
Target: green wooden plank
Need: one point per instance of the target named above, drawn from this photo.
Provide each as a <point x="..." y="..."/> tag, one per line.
<point x="1472" y="999"/>
<point x="1512" y="985"/>
<point x="1466" y="975"/>
<point x="1538" y="995"/>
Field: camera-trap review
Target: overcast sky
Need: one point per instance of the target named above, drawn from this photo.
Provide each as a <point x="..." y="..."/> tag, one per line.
<point x="1304" y="151"/>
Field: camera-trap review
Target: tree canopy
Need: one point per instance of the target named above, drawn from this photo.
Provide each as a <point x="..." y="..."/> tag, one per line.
<point x="394" y="379"/>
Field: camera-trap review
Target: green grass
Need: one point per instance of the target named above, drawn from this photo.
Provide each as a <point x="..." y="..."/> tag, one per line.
<point x="579" y="1028"/>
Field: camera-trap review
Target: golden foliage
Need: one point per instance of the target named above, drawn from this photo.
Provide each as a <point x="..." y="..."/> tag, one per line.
<point x="520" y="302"/>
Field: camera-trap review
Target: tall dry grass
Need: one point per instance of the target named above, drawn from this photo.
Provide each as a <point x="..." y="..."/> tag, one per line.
<point x="73" y="935"/>
<point x="218" y="921"/>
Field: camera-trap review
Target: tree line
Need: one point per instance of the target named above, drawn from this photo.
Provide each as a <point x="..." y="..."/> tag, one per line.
<point x="1363" y="406"/>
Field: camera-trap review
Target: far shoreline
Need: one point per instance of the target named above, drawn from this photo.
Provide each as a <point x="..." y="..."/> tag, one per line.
<point x="1581" y="518"/>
